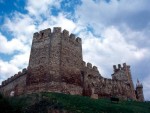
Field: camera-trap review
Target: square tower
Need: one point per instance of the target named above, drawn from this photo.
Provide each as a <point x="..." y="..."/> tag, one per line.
<point x="123" y="73"/>
<point x="54" y="55"/>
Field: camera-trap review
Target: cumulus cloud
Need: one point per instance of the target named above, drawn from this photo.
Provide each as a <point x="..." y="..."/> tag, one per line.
<point x="7" y="69"/>
<point x="110" y="49"/>
<point x="16" y="64"/>
<point x="22" y="26"/>
<point x="42" y="7"/>
<point x="59" y="20"/>
<point x="138" y="38"/>
<point x="116" y="12"/>
<point x="8" y="47"/>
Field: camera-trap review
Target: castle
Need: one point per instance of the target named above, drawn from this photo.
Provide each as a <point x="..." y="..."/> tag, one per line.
<point x="56" y="65"/>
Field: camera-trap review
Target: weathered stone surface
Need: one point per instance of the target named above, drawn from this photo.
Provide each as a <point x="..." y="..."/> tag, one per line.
<point x="56" y="65"/>
<point x="139" y="91"/>
<point x="16" y="85"/>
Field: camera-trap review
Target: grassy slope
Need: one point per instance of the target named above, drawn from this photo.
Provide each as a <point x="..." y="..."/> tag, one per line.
<point x="78" y="104"/>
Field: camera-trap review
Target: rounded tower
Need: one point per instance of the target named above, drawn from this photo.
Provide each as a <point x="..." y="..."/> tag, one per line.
<point x="139" y="91"/>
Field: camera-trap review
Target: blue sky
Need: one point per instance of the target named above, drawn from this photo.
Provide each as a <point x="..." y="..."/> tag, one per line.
<point x="112" y="32"/>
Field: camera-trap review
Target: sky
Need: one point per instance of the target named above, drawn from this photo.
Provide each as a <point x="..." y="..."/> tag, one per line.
<point x="112" y="31"/>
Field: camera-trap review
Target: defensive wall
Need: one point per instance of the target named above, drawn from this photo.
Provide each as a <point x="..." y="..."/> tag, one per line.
<point x="56" y="65"/>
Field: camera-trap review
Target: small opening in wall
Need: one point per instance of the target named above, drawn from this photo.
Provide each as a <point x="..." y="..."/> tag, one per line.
<point x="90" y="76"/>
<point x="42" y="34"/>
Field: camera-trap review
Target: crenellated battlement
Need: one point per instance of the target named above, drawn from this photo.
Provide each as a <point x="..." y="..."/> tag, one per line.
<point x="56" y="30"/>
<point x="42" y="34"/>
<point x="65" y="33"/>
<point x="95" y="68"/>
<point x="12" y="78"/>
<point x="56" y="65"/>
<point x="89" y="66"/>
<point x="122" y="72"/>
<point x="71" y="38"/>
<point x="121" y="67"/>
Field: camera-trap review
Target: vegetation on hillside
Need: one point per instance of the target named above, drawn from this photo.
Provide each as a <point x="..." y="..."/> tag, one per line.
<point x="40" y="103"/>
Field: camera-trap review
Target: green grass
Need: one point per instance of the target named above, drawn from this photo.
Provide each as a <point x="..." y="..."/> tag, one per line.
<point x="35" y="103"/>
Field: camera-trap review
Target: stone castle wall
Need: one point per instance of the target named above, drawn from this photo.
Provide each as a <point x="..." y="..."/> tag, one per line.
<point x="123" y="73"/>
<point x="56" y="65"/>
<point x="16" y="83"/>
<point x="103" y="87"/>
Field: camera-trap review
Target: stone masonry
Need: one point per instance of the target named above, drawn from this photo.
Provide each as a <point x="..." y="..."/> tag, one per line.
<point x="56" y="65"/>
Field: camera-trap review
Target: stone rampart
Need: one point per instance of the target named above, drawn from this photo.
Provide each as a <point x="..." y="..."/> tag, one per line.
<point x="16" y="84"/>
<point x="56" y="65"/>
<point x="90" y="69"/>
<point x="13" y="78"/>
<point x="108" y="88"/>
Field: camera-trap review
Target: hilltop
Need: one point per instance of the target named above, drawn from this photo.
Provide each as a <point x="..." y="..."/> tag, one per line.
<point x="63" y="103"/>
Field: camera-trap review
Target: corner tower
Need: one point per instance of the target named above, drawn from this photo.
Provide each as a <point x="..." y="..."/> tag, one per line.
<point x="139" y="91"/>
<point x="123" y="74"/>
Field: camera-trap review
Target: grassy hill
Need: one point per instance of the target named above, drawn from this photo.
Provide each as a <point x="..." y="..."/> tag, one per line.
<point x="44" y="102"/>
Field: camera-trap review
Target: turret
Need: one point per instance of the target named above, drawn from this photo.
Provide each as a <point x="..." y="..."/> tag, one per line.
<point x="138" y="84"/>
<point x="139" y="91"/>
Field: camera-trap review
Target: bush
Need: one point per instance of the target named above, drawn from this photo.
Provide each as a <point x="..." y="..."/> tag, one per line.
<point x="5" y="106"/>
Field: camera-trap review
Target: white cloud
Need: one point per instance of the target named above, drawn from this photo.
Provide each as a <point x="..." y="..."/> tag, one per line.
<point x="7" y="69"/>
<point x="102" y="14"/>
<point x="41" y="7"/>
<point x="138" y="38"/>
<point x="65" y="23"/>
<point x="110" y="49"/>
<point x="8" y="47"/>
<point x="60" y="21"/>
<point x="20" y="26"/>
<point x="14" y="65"/>
<point x="23" y="59"/>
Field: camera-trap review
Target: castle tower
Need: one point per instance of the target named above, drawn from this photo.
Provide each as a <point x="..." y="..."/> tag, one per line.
<point x="139" y="91"/>
<point x="123" y="73"/>
<point x="53" y="56"/>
